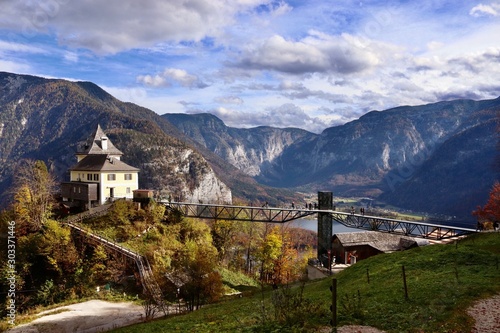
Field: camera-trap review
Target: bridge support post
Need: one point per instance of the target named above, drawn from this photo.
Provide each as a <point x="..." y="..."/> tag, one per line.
<point x="325" y="229"/>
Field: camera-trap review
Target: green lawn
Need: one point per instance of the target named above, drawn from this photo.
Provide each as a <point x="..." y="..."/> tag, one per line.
<point x="442" y="281"/>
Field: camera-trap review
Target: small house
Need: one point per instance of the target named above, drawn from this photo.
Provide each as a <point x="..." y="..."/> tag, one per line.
<point x="99" y="176"/>
<point x="350" y="247"/>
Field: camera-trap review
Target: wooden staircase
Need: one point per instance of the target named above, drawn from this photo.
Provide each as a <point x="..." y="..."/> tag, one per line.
<point x="148" y="281"/>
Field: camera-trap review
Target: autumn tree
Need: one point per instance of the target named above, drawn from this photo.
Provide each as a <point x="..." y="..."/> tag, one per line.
<point x="268" y="253"/>
<point x="491" y="211"/>
<point x="248" y="239"/>
<point x="122" y="212"/>
<point x="279" y="258"/>
<point x="58" y="251"/>
<point x="185" y="261"/>
<point x="155" y="213"/>
<point x="205" y="283"/>
<point x="223" y="235"/>
<point x="34" y="196"/>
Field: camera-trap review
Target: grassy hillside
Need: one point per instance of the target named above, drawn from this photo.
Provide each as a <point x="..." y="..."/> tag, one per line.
<point x="442" y="281"/>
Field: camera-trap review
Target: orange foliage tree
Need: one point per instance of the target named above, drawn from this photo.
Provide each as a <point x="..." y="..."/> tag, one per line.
<point x="491" y="211"/>
<point x="281" y="263"/>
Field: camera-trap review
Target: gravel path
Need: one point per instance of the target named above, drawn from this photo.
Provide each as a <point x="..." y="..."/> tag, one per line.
<point x="87" y="317"/>
<point x="487" y="315"/>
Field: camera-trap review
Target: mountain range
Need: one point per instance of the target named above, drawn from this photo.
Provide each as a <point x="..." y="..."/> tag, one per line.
<point x="437" y="158"/>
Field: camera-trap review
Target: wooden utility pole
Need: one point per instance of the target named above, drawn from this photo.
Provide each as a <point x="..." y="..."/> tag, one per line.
<point x="333" y="307"/>
<point x="404" y="282"/>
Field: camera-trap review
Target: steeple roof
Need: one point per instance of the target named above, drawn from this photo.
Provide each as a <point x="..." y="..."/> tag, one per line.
<point x="98" y="144"/>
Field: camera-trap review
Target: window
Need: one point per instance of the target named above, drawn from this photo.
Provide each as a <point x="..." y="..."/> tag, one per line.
<point x="128" y="190"/>
<point x="96" y="177"/>
<point x="128" y="176"/>
<point x="111" y="176"/>
<point x="89" y="176"/>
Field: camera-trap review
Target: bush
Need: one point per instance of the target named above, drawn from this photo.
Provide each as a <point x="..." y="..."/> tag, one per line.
<point x="290" y="309"/>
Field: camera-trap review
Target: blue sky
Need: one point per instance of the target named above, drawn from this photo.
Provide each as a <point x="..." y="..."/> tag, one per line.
<point x="308" y="64"/>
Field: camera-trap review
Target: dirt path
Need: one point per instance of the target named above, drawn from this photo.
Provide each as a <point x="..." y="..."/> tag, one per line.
<point x="487" y="315"/>
<point x="88" y="317"/>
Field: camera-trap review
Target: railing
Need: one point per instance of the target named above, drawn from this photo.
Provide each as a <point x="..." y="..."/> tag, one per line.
<point x="238" y="213"/>
<point x="408" y="228"/>
<point x="148" y="281"/>
<point x="282" y="215"/>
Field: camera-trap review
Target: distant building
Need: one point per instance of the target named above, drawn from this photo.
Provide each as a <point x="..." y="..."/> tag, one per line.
<point x="99" y="175"/>
<point x="350" y="247"/>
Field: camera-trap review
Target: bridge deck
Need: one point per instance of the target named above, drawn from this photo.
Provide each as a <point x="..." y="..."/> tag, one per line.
<point x="239" y="213"/>
<point x="282" y="215"/>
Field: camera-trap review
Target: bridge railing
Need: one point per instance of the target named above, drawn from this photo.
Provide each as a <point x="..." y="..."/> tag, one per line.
<point x="402" y="227"/>
<point x="282" y="215"/>
<point x="238" y="213"/>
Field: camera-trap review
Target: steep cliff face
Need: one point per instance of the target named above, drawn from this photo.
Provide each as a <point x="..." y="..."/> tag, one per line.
<point x="209" y="189"/>
<point x="45" y="119"/>
<point x="170" y="167"/>
<point x="250" y="150"/>
<point x="457" y="176"/>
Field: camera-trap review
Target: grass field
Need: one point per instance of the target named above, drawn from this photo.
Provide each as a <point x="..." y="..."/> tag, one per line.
<point x="442" y="282"/>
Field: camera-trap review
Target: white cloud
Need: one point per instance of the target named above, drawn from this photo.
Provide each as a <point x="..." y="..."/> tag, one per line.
<point x="283" y="116"/>
<point x="310" y="63"/>
<point x="14" y="67"/>
<point x="182" y="77"/>
<point x="434" y="45"/>
<point x="316" y="53"/>
<point x="170" y="76"/>
<point x="6" y="46"/>
<point x="279" y="9"/>
<point x="492" y="9"/>
<point x="228" y="100"/>
<point x="133" y="94"/>
<point x="71" y="56"/>
<point x="108" y="27"/>
<point x="153" y="80"/>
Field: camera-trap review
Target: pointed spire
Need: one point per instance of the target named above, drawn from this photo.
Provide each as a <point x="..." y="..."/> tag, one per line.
<point x="99" y="144"/>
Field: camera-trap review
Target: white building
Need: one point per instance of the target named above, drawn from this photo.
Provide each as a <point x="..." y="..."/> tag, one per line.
<point x="99" y="175"/>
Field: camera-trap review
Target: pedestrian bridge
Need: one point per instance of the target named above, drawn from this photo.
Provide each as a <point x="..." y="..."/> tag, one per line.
<point x="282" y="215"/>
<point x="325" y="215"/>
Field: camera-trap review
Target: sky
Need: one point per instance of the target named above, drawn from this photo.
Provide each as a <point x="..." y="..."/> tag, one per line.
<point x="309" y="64"/>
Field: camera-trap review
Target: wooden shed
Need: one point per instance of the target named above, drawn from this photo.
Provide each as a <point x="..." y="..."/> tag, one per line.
<point x="143" y="196"/>
<point x="350" y="247"/>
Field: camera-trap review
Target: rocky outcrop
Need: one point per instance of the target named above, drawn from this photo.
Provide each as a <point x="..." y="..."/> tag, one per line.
<point x="209" y="190"/>
<point x="250" y="150"/>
